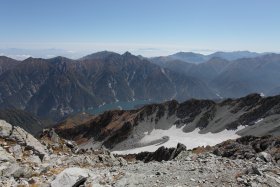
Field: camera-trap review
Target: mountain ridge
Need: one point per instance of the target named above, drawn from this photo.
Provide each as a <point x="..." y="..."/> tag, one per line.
<point x="59" y="86"/>
<point x="155" y="124"/>
<point x="197" y="58"/>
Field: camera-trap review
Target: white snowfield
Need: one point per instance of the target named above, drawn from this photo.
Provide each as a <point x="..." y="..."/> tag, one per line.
<point x="176" y="135"/>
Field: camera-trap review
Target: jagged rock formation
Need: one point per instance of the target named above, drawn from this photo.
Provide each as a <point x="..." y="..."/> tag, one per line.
<point x="161" y="154"/>
<point x="17" y="134"/>
<point x="266" y="148"/>
<point x="157" y="123"/>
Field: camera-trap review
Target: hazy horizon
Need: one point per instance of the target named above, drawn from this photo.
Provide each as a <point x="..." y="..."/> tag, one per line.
<point x="148" y="28"/>
<point x="21" y="54"/>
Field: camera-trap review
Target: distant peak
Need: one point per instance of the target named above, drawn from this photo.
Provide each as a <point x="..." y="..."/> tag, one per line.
<point x="127" y="54"/>
<point x="99" y="55"/>
<point x="60" y="58"/>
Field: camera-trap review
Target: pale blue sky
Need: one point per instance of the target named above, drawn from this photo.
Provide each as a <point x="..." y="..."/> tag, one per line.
<point x="147" y="27"/>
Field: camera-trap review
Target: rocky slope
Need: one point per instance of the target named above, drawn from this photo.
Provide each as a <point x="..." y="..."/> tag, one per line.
<point x="193" y="123"/>
<point x="26" y="161"/>
<point x="55" y="162"/>
<point x="59" y="86"/>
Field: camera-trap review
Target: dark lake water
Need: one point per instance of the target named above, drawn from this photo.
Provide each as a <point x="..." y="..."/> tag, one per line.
<point x="122" y="105"/>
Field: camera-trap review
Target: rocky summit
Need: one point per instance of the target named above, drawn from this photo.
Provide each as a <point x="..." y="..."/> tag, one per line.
<point x="56" y="162"/>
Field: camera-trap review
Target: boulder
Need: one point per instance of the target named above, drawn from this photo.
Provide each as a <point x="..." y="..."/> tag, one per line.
<point x="265" y="156"/>
<point x="17" y="151"/>
<point x="15" y="170"/>
<point x="54" y="137"/>
<point x="5" y="156"/>
<point x="71" y="177"/>
<point x="266" y="148"/>
<point x="34" y="159"/>
<point x="5" y="129"/>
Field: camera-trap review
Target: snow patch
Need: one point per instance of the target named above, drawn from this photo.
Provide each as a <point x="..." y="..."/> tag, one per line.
<point x="132" y="77"/>
<point x="102" y="104"/>
<point x="110" y="85"/>
<point x="113" y="91"/>
<point x="219" y="96"/>
<point x="176" y="135"/>
<point x="259" y="120"/>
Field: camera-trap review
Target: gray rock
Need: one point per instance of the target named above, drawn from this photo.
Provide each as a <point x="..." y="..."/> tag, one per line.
<point x="191" y="179"/>
<point x="254" y="170"/>
<point x="54" y="137"/>
<point x="22" y="138"/>
<point x="5" y="128"/>
<point x="17" y="151"/>
<point x="3" y="168"/>
<point x="34" y="159"/>
<point x="122" y="161"/>
<point x="17" y="171"/>
<point x="8" y="182"/>
<point x="5" y="156"/>
<point x="70" y="177"/>
<point x="265" y="156"/>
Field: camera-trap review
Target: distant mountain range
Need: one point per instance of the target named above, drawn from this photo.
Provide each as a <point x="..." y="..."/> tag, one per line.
<point x="198" y="58"/>
<point x="59" y="86"/>
<point x="56" y="87"/>
<point x="232" y="78"/>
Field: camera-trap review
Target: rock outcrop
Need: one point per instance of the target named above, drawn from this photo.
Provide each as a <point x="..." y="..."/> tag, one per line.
<point x="22" y="138"/>
<point x="266" y="148"/>
<point x="161" y="154"/>
<point x="51" y="160"/>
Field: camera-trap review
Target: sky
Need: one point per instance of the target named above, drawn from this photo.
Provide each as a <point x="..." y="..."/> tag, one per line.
<point x="145" y="27"/>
